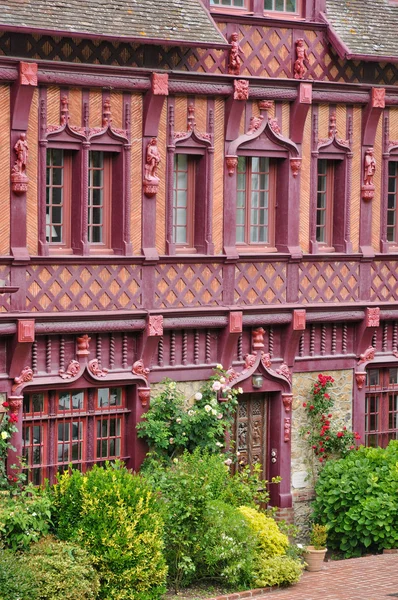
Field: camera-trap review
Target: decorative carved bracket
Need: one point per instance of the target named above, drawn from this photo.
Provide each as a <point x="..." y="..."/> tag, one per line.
<point x="144" y="394"/>
<point x="140" y="370"/>
<point x="292" y="336"/>
<point x="287" y="400"/>
<point x="95" y="369"/>
<point x="153" y="103"/>
<point x="192" y="132"/>
<point x="360" y="378"/>
<point x="21" y="381"/>
<point x="150" y="339"/>
<point x="332" y="139"/>
<point x="229" y="338"/>
<point x="371" y="116"/>
<point x="365" y="332"/>
<point x="72" y="370"/>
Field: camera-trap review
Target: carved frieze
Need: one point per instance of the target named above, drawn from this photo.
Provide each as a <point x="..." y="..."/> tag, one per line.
<point x="71" y="371"/>
<point x="25" y="377"/>
<point x="94" y="368"/>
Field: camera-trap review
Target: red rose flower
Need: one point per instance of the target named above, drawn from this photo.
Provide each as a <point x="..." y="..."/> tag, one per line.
<point x="304" y="404"/>
<point x="6" y="404"/>
<point x="13" y="418"/>
<point x="340" y="434"/>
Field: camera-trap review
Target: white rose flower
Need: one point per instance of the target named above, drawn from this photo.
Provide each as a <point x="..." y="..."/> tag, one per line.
<point x="228" y="462"/>
<point x="178" y="420"/>
<point x="214" y="412"/>
<point x="171" y="441"/>
<point x="222" y="379"/>
<point x="219" y="367"/>
<point x="219" y="416"/>
<point x="5" y="435"/>
<point x="240" y="391"/>
<point x="216" y="386"/>
<point x="219" y="444"/>
<point x="207" y="408"/>
<point x="191" y="413"/>
<point x="172" y="385"/>
<point x="198" y="396"/>
<point x="213" y="402"/>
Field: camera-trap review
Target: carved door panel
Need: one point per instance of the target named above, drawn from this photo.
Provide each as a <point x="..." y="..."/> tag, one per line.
<point x="251" y="430"/>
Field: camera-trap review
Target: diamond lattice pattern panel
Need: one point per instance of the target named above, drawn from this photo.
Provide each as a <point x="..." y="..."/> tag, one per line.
<point x="5" y="280"/>
<point x="384" y="281"/>
<point x="260" y="283"/>
<point x="77" y="287"/>
<point x="181" y="285"/>
<point x="329" y="282"/>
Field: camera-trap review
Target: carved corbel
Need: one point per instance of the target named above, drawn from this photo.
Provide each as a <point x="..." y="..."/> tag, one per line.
<point x="360" y="378"/>
<point x="229" y="337"/>
<point x="22" y="94"/>
<point x="232" y="163"/>
<point x="144" y="394"/>
<point x="295" y="166"/>
<point x="153" y="103"/>
<point x="292" y="336"/>
<point x="371" y="116"/>
<point x="150" y="338"/>
<point x="365" y="332"/>
<point x="21" y="346"/>
<point x="287" y="400"/>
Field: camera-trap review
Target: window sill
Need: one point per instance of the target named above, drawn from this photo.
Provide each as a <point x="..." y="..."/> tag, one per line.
<point x="255" y="249"/>
<point x="185" y="250"/>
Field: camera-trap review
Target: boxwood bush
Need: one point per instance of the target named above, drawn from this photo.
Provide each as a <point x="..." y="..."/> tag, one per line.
<point x="114" y="515"/>
<point x="357" y="498"/>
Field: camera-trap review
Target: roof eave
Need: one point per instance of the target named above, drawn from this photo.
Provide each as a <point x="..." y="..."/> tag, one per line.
<point x="343" y="50"/>
<point x="131" y="39"/>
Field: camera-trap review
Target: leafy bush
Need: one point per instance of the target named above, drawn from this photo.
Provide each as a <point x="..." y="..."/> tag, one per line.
<point x="24" y="518"/>
<point x="16" y="578"/>
<point x="277" y="570"/>
<point x="113" y="515"/>
<point x="270" y="540"/>
<point x="62" y="571"/>
<point x="170" y="427"/>
<point x="226" y="547"/>
<point x="357" y="499"/>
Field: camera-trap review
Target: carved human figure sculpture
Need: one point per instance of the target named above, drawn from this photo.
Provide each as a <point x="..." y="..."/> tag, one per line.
<point x="152" y="160"/>
<point x="301" y="56"/>
<point x="22" y="150"/>
<point x="369" y="167"/>
<point x="235" y="61"/>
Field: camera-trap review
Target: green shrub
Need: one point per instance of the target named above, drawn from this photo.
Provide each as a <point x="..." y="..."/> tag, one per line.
<point x="170" y="427"/>
<point x="270" y="540"/>
<point x="62" y="571"/>
<point x="24" y="518"/>
<point x="277" y="570"/>
<point x="16" y="578"/>
<point x="113" y="515"/>
<point x="357" y="499"/>
<point x="226" y="546"/>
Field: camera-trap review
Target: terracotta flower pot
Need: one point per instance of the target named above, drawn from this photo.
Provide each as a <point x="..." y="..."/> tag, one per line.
<point x="314" y="558"/>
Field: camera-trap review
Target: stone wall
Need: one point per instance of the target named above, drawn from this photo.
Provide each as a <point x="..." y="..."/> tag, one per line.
<point x="303" y="466"/>
<point x="187" y="388"/>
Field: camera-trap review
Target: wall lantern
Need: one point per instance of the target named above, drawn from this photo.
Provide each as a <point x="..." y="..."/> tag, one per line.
<point x="257" y="381"/>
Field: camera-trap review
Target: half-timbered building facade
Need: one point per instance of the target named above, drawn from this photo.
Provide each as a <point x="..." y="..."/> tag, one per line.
<point x="188" y="183"/>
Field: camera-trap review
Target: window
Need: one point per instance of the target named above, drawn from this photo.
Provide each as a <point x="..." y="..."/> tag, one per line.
<point x="230" y="3"/>
<point x="392" y="203"/>
<point x="381" y="406"/>
<point x="99" y="199"/>
<point x="58" y="198"/>
<point x="324" y="204"/>
<point x="85" y="426"/>
<point x="285" y="6"/>
<point x="183" y="200"/>
<point x="255" y="201"/>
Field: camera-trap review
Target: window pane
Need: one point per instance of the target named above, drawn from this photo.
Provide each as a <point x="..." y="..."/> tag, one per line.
<point x="103" y="397"/>
<point x="115" y="396"/>
<point x="373" y="377"/>
<point x="64" y="401"/>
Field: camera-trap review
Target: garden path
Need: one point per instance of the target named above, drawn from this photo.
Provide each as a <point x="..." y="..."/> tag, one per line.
<point x="367" y="578"/>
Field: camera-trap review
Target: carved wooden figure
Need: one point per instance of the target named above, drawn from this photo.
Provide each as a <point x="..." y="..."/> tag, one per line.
<point x="19" y="179"/>
<point x="234" y="59"/>
<point x="301" y="56"/>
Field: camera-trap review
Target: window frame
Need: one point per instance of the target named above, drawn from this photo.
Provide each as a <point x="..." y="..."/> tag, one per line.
<point x="329" y="210"/>
<point x="189" y="245"/>
<point x="106" y="244"/>
<point x="283" y="14"/>
<point x="381" y="391"/>
<point x="88" y="415"/>
<point x="64" y="247"/>
<point x="247" y="244"/>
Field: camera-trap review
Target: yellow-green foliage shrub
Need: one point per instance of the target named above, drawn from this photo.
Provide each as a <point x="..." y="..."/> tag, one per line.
<point x="270" y="540"/>
<point x="277" y="570"/>
<point x="114" y="515"/>
<point x="271" y="565"/>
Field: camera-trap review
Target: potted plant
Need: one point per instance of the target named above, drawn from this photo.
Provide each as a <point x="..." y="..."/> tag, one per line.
<point x="314" y="554"/>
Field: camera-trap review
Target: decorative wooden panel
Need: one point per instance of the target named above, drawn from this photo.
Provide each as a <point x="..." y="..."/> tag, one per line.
<point x="95" y="108"/>
<point x="251" y="430"/>
<point x="218" y="189"/>
<point x="305" y="187"/>
<point x="260" y="283"/>
<point x="77" y="287"/>
<point x="5" y="298"/>
<point x="384" y="276"/>
<point x="161" y="195"/>
<point x="376" y="212"/>
<point x="327" y="339"/>
<point x="136" y="167"/>
<point x="329" y="282"/>
<point x="188" y="347"/>
<point x="356" y="177"/>
<point x="189" y="285"/>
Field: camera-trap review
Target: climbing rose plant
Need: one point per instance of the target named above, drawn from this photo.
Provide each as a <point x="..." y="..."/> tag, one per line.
<point x="9" y="482"/>
<point x="325" y="439"/>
